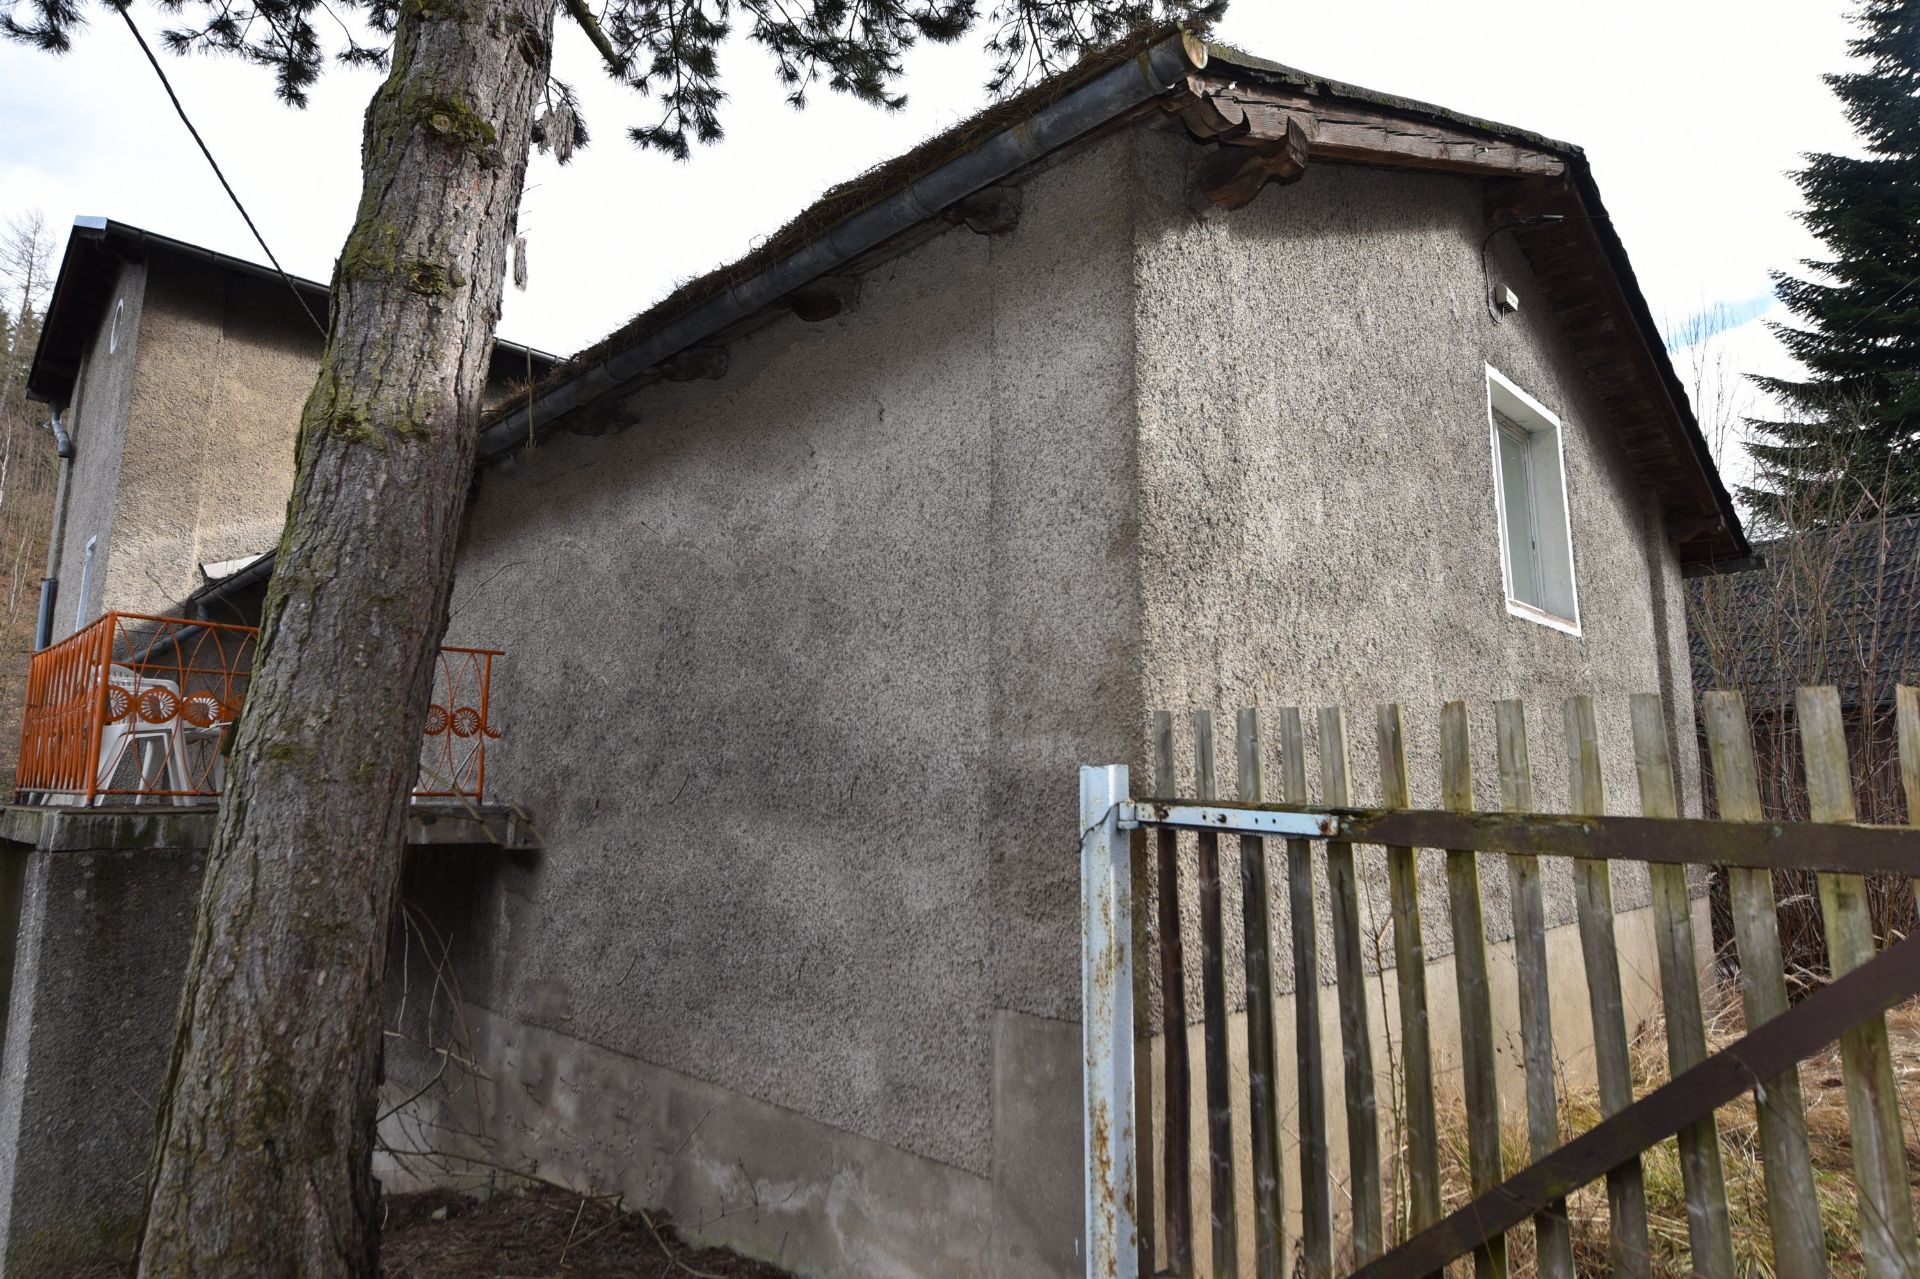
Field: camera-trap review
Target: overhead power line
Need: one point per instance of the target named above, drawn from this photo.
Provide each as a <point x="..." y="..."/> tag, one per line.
<point x="127" y="14"/>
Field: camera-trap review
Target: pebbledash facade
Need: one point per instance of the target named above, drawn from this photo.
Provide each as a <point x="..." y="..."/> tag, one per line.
<point x="1186" y="380"/>
<point x="1189" y="381"/>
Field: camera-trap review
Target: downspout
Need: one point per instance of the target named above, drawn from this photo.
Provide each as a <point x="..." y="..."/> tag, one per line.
<point x="49" y="585"/>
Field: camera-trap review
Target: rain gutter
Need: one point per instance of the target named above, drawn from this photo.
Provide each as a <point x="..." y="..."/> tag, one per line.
<point x="1079" y="111"/>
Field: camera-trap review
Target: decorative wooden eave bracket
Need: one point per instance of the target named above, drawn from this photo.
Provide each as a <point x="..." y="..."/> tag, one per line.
<point x="1260" y="137"/>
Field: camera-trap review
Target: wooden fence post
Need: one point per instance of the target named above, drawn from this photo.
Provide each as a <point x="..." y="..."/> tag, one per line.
<point x="1707" y="1228"/>
<point x="1553" y="1235"/>
<point x="1873" y="1106"/>
<point x="1213" y="1011"/>
<point x="1177" y="1132"/>
<point x="1906" y="701"/>
<point x="1630" y="1242"/>
<point x="1410" y="972"/>
<point x="1356" y="1037"/>
<point x="1316" y="1188"/>
<point x="1146" y="1148"/>
<point x="1786" y="1159"/>
<point x="1474" y="983"/>
<point x="1269" y="1195"/>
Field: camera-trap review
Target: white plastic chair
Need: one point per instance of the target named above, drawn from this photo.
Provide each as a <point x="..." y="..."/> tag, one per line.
<point x="161" y="746"/>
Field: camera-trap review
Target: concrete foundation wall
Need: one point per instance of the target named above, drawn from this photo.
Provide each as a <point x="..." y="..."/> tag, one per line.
<point x="97" y="909"/>
<point x="106" y="905"/>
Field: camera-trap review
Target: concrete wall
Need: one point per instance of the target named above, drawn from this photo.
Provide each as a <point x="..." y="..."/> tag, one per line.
<point x="1314" y="437"/>
<point x="105" y="914"/>
<point x="97" y="907"/>
<point x="183" y="434"/>
<point x="801" y="662"/>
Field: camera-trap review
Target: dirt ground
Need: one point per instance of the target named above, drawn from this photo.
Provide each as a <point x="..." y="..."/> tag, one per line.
<point x="539" y="1233"/>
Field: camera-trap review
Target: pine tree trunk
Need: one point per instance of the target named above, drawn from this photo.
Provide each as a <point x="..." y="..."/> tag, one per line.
<point x="262" y="1162"/>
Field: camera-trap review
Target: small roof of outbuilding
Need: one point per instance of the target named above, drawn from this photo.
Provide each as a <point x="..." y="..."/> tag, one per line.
<point x="1836" y="606"/>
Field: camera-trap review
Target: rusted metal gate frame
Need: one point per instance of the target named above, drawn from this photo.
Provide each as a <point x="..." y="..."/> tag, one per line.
<point x="1108" y="816"/>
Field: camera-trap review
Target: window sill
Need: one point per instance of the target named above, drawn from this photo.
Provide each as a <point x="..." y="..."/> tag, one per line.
<point x="1539" y="616"/>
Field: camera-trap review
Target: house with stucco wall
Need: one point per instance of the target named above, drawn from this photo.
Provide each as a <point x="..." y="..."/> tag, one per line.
<point x="1184" y="380"/>
<point x="1189" y="380"/>
<point x="175" y="375"/>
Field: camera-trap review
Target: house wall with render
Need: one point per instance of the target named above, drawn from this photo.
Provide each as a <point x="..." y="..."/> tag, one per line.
<point x="794" y="664"/>
<point x="226" y="361"/>
<point x="183" y="432"/>
<point x="97" y="419"/>
<point x="802" y="662"/>
<point x="184" y="420"/>
<point x="1318" y="527"/>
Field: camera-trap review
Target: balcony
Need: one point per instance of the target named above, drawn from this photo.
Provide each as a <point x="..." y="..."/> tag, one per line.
<point x="134" y="708"/>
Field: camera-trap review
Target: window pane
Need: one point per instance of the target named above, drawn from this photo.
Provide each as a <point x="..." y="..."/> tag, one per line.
<point x="1516" y="493"/>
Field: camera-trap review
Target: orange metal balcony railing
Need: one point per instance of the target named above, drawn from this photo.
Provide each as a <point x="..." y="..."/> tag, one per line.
<point x="134" y="707"/>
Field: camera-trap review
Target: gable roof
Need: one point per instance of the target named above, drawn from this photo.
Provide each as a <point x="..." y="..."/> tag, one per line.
<point x="1835" y="606"/>
<point x="90" y="269"/>
<point x="1260" y="121"/>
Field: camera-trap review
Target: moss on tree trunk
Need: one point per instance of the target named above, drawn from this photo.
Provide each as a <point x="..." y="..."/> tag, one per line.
<point x="262" y="1161"/>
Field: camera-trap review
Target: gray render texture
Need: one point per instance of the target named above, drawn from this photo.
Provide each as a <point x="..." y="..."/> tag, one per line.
<point x="802" y="662"/>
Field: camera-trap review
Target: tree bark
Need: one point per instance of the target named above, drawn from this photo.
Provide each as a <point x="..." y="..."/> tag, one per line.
<point x="262" y="1160"/>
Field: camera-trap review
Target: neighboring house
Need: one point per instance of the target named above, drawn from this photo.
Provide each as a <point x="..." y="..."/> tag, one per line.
<point x="177" y="375"/>
<point x="1836" y="606"/>
<point x="1183" y="380"/>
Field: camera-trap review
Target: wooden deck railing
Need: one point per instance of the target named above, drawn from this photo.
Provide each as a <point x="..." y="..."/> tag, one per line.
<point x="1140" y="1188"/>
<point x="136" y="707"/>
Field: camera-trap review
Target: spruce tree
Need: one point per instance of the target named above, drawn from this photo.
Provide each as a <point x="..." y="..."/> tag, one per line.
<point x="1852" y="425"/>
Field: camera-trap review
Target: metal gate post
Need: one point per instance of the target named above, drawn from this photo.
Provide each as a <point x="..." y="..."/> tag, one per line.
<point x="1106" y="1023"/>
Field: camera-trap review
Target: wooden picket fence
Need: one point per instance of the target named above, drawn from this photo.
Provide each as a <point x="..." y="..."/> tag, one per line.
<point x="1126" y="841"/>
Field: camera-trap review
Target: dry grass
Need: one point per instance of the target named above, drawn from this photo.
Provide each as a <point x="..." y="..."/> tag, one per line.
<point x="1825" y="1095"/>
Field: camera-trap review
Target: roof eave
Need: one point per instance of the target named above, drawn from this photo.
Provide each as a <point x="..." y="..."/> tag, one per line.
<point x="1102" y="98"/>
<point x="113" y="241"/>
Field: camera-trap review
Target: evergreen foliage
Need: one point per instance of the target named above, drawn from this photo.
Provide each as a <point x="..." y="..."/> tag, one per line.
<point x="669" y="51"/>
<point x="1854" y="419"/>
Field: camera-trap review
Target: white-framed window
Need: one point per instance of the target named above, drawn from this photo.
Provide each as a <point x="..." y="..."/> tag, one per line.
<point x="1530" y="495"/>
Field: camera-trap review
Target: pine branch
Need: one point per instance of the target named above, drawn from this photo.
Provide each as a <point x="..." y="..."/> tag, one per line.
<point x="589" y="22"/>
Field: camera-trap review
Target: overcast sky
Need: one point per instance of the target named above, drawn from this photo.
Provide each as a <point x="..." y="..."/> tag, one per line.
<point x="1693" y="112"/>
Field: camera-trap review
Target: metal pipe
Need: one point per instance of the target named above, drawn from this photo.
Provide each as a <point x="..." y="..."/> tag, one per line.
<point x="1099" y="100"/>
<point x="49" y="584"/>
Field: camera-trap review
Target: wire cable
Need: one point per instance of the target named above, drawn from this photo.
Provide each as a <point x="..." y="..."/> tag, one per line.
<point x="127" y="15"/>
